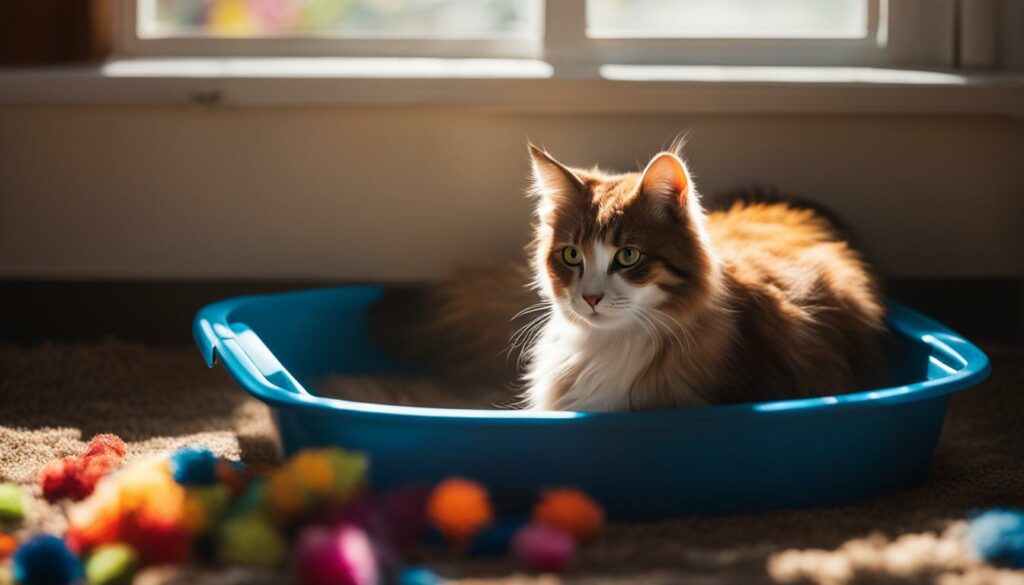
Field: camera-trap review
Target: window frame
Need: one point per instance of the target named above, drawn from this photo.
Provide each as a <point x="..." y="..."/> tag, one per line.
<point x="900" y="33"/>
<point x="750" y="51"/>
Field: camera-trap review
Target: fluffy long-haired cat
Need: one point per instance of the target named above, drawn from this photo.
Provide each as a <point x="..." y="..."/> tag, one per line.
<point x="648" y="302"/>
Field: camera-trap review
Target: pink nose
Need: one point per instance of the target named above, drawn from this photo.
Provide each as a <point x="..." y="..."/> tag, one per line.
<point x="592" y="300"/>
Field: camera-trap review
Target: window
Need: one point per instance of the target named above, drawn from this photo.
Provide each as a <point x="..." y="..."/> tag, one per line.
<point x="367" y="28"/>
<point x="441" y="19"/>
<point x="728" y="18"/>
<point x="573" y="35"/>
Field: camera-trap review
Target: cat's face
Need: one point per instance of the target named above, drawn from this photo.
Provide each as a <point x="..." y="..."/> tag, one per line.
<point x="618" y="250"/>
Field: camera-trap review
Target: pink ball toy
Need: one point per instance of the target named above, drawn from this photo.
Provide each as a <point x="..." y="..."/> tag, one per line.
<point x="342" y="556"/>
<point x="544" y="548"/>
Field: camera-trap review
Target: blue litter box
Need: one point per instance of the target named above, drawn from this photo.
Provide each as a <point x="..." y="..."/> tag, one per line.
<point x="724" y="459"/>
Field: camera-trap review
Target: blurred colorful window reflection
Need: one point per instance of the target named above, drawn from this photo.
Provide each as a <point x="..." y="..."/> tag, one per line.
<point x="413" y="19"/>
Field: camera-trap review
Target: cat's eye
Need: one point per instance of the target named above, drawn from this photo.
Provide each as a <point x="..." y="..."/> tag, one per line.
<point x="572" y="256"/>
<point x="628" y="256"/>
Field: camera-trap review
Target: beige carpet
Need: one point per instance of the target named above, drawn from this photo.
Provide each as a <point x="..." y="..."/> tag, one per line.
<point x="54" y="396"/>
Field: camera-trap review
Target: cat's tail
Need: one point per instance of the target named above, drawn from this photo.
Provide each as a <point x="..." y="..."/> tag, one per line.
<point x="463" y="328"/>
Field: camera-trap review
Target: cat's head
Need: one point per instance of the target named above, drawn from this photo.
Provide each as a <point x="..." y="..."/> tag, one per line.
<point x="614" y="250"/>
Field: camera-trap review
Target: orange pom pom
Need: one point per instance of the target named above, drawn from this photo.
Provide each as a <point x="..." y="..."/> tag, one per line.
<point x="8" y="544"/>
<point x="459" y="508"/>
<point x="571" y="510"/>
<point x="286" y="497"/>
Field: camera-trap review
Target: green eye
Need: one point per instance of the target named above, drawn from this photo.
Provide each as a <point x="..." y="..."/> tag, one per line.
<point x="627" y="256"/>
<point x="572" y="256"/>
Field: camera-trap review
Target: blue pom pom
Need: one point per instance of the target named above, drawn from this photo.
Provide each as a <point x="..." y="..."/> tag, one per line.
<point x="194" y="465"/>
<point x="418" y="576"/>
<point x="45" y="560"/>
<point x="998" y="537"/>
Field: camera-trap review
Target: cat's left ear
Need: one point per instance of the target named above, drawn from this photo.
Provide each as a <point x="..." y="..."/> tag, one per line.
<point x="552" y="180"/>
<point x="666" y="177"/>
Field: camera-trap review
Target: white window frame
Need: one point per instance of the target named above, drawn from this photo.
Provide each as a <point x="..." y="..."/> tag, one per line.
<point x="902" y="33"/>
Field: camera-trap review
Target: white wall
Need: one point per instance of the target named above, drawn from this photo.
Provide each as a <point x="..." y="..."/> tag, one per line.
<point x="396" y="193"/>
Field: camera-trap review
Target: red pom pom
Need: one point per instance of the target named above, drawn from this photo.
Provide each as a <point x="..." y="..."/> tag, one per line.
<point x="105" y="444"/>
<point x="76" y="478"/>
<point x="89" y="471"/>
<point x="58" y="478"/>
<point x="156" y="539"/>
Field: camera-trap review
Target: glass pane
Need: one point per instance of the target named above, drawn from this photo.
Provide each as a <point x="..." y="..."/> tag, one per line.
<point x="728" y="18"/>
<point x="426" y="19"/>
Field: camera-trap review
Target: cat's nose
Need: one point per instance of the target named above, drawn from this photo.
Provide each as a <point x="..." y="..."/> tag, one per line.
<point x="592" y="300"/>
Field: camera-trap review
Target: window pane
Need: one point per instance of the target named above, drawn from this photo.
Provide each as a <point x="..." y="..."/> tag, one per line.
<point x="429" y="19"/>
<point x="728" y="18"/>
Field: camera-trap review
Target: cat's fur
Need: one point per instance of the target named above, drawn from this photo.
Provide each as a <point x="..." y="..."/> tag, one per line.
<point x="760" y="301"/>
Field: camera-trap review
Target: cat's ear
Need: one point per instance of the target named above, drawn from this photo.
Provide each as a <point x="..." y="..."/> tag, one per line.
<point x="666" y="177"/>
<point x="552" y="180"/>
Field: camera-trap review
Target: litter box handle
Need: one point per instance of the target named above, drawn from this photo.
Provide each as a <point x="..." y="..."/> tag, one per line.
<point x="244" y="355"/>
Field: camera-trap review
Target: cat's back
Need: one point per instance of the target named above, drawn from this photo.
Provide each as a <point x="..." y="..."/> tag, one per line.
<point x="802" y="294"/>
<point x="793" y="250"/>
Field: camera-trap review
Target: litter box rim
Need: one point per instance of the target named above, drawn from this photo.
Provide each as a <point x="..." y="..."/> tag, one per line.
<point x="216" y="340"/>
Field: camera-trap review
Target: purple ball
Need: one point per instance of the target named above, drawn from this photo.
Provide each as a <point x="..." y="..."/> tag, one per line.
<point x="544" y="548"/>
<point x="339" y="556"/>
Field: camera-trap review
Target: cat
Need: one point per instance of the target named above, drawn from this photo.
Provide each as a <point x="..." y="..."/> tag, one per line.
<point x="648" y="302"/>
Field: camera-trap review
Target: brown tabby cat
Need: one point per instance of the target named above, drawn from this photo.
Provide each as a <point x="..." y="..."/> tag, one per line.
<point x="649" y="303"/>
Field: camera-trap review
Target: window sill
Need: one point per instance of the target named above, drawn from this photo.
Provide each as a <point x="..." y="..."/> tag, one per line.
<point x="508" y="84"/>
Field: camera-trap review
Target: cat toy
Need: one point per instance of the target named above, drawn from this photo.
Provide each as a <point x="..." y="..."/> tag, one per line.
<point x="997" y="536"/>
<point x="12" y="504"/>
<point x="193" y="505"/>
<point x="76" y="477"/>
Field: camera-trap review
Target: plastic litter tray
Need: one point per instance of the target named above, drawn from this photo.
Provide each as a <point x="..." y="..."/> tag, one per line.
<point x="724" y="459"/>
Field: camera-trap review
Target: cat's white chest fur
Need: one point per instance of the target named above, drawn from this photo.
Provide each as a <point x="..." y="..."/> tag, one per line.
<point x="586" y="369"/>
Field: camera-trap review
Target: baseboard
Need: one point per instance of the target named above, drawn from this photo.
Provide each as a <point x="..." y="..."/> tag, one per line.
<point x="160" y="312"/>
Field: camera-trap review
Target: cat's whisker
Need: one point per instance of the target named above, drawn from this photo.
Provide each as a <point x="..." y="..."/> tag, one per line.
<point x="529" y="343"/>
<point x="532" y="309"/>
<point x="649" y="328"/>
<point x="524" y="333"/>
<point x="657" y="316"/>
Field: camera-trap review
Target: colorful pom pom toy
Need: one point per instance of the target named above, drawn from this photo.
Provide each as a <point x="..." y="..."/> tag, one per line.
<point x="45" y="560"/>
<point x="111" y="564"/>
<point x="997" y="536"/>
<point x="194" y="465"/>
<point x="544" y="548"/>
<point x="8" y="544"/>
<point x="191" y="503"/>
<point x="571" y="510"/>
<point x="459" y="508"/>
<point x="106" y="445"/>
<point x="76" y="477"/>
<point x="418" y="576"/>
<point x="312" y="478"/>
<point x="343" y="556"/>
<point x="12" y="504"/>
<point x="250" y="540"/>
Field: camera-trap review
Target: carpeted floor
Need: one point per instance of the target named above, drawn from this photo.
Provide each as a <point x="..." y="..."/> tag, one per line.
<point x="54" y="396"/>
